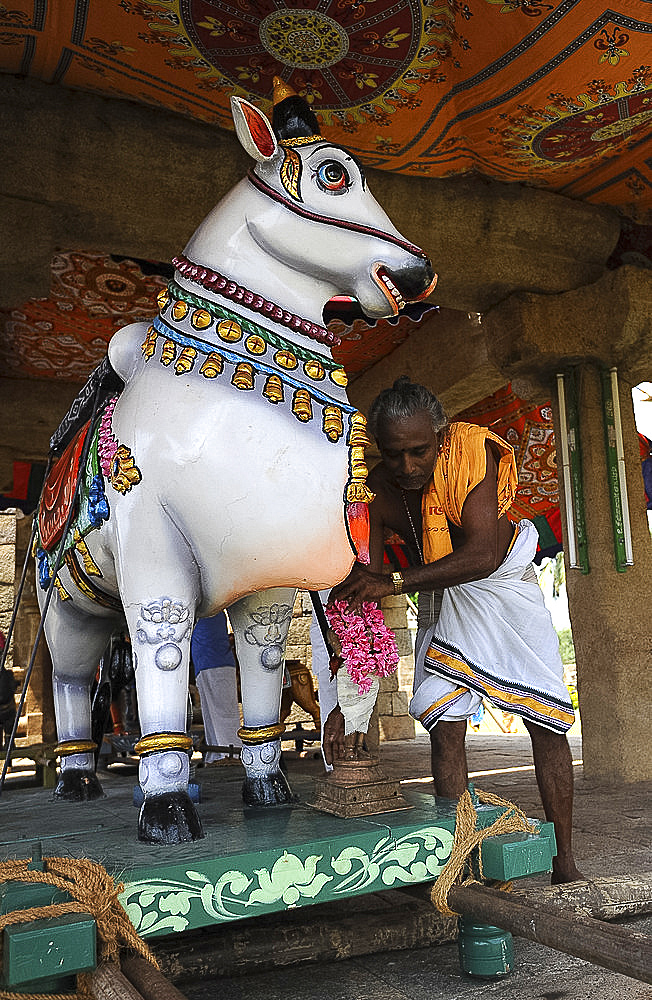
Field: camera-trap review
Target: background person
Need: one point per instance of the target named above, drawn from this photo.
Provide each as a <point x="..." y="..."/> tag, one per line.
<point x="215" y="676"/>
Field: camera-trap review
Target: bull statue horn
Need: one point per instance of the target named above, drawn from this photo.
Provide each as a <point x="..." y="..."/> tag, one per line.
<point x="293" y="117"/>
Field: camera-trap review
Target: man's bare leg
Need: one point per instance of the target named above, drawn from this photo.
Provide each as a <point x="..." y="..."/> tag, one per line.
<point x="448" y="754"/>
<point x="553" y="767"/>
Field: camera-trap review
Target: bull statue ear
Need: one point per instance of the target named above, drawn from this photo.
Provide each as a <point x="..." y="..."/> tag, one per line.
<point x="253" y="130"/>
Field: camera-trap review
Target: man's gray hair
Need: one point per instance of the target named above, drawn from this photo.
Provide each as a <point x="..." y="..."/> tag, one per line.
<point x="402" y="401"/>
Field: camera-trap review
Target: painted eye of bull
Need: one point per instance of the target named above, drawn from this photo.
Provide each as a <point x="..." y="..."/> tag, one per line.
<point x="331" y="176"/>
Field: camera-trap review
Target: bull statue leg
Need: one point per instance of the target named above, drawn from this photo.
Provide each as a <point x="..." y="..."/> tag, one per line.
<point x="159" y="596"/>
<point x="76" y="641"/>
<point x="160" y="627"/>
<point x="261" y="623"/>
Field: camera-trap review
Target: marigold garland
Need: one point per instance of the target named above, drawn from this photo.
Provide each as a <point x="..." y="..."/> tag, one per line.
<point x="368" y="646"/>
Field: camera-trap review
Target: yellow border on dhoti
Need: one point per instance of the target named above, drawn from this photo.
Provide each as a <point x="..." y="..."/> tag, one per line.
<point x="497" y="694"/>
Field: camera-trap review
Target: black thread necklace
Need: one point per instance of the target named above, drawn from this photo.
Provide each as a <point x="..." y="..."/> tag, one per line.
<point x="414" y="531"/>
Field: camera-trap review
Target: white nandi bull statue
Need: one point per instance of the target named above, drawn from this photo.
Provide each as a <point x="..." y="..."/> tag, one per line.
<point x="230" y="470"/>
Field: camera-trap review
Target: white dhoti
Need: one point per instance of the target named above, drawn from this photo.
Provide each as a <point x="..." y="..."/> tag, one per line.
<point x="493" y="639"/>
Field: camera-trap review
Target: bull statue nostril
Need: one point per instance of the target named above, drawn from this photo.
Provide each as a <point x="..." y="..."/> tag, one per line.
<point x="415" y="281"/>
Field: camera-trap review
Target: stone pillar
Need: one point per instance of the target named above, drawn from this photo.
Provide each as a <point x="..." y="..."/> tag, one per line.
<point x="531" y="338"/>
<point x="39" y="725"/>
<point x="7" y="569"/>
<point x="610" y="610"/>
<point x="394" y="719"/>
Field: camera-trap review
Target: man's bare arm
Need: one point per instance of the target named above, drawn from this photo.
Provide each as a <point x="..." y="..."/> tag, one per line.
<point x="476" y="557"/>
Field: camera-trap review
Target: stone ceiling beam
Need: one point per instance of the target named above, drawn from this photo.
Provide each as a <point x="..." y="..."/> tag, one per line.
<point x="30" y="412"/>
<point x="447" y="353"/>
<point x="531" y="337"/>
<point x="108" y="176"/>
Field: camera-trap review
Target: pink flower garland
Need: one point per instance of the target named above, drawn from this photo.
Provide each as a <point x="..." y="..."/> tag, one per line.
<point x="368" y="646"/>
<point x="107" y="444"/>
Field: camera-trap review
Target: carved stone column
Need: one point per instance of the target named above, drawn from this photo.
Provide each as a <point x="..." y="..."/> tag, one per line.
<point x="610" y="610"/>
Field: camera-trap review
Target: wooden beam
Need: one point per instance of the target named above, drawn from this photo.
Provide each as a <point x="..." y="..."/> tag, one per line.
<point x="605" y="898"/>
<point x="616" y="948"/>
<point x="151" y="984"/>
<point x="108" y="983"/>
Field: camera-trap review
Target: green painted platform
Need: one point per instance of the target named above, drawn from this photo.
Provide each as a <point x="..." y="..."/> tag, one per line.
<point x="251" y="862"/>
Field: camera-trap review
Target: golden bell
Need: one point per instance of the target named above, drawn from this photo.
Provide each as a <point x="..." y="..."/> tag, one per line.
<point x="186" y="361"/>
<point x="332" y="426"/>
<point x="229" y="330"/>
<point x="180" y="310"/>
<point x="149" y="344"/>
<point x="255" y="344"/>
<point x="302" y="405"/>
<point x="212" y="366"/>
<point x="200" y="319"/>
<point x="286" y="359"/>
<point x="273" y="389"/>
<point x="168" y="353"/>
<point x="358" y="437"/>
<point x="314" y="369"/>
<point x="243" y="376"/>
<point x="358" y="465"/>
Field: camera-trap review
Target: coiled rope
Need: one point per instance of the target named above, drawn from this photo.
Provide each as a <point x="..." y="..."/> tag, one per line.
<point x="93" y="891"/>
<point x="467" y="837"/>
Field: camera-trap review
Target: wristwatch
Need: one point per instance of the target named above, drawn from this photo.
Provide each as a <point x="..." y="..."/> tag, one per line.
<point x="397" y="580"/>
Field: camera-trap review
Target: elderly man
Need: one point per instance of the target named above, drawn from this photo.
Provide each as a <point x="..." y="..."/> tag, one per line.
<point x="484" y="630"/>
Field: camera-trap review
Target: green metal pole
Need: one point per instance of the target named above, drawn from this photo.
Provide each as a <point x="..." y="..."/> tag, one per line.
<point x="613" y="476"/>
<point x="572" y="470"/>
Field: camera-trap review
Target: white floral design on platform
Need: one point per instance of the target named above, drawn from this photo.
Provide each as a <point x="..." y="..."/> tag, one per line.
<point x="156" y="907"/>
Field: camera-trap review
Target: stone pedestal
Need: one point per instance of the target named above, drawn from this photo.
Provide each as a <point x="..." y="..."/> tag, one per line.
<point x="358" y="788"/>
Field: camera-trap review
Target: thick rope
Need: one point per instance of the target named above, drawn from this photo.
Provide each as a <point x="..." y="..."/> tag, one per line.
<point x="93" y="891"/>
<point x="467" y="837"/>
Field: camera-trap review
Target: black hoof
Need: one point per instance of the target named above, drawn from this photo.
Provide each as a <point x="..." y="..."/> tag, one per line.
<point x="271" y="790"/>
<point x="170" y="818"/>
<point x="78" y="785"/>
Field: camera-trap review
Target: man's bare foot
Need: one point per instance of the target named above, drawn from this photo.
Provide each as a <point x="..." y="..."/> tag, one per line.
<point x="562" y="873"/>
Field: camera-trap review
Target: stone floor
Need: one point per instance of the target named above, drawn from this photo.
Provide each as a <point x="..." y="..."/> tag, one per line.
<point x="391" y="938"/>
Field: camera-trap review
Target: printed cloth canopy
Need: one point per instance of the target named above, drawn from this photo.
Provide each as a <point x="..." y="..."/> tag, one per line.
<point x="65" y="336"/>
<point x="556" y="94"/>
<point x="529" y="429"/>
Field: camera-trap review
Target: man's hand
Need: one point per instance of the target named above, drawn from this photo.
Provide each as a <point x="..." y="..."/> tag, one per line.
<point x="333" y="739"/>
<point x="360" y="586"/>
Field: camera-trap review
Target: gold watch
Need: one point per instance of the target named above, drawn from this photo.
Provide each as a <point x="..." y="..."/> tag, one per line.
<point x="397" y="580"/>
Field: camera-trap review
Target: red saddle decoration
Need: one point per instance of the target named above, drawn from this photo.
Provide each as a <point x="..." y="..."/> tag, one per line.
<point x="59" y="492"/>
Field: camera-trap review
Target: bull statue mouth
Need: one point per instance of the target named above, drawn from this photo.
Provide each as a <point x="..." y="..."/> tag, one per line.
<point x="411" y="290"/>
<point x="346" y="309"/>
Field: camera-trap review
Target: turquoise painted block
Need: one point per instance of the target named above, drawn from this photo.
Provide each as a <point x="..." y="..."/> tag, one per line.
<point x="515" y="855"/>
<point x="16" y="895"/>
<point x="51" y="947"/>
